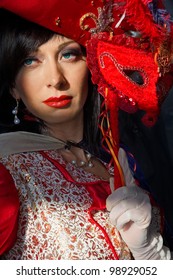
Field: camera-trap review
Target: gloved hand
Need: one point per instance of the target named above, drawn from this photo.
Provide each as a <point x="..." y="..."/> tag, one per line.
<point x="130" y="212"/>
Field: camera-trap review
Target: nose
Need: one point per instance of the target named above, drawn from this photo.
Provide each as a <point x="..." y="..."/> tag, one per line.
<point x="56" y="78"/>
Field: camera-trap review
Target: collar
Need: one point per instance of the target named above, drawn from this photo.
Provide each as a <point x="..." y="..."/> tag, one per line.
<point x="21" y="141"/>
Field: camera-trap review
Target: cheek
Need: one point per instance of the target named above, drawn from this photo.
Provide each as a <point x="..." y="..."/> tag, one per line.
<point x="83" y="88"/>
<point x="81" y="80"/>
<point x="27" y="87"/>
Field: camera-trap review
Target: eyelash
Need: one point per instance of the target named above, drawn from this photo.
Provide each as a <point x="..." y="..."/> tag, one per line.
<point x="32" y="59"/>
<point x="73" y="55"/>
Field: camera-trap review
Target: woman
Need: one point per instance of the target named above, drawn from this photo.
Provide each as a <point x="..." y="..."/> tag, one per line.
<point x="62" y="190"/>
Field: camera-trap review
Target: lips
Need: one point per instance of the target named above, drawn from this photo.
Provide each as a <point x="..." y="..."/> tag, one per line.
<point x="58" y="102"/>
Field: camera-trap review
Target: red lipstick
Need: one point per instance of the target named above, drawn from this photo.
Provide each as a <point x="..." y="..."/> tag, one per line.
<point x="58" y="102"/>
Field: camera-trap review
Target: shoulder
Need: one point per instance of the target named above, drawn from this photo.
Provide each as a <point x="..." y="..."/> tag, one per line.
<point x="9" y="208"/>
<point x="8" y="192"/>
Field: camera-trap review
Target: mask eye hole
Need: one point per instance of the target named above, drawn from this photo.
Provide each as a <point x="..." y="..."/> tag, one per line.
<point x="135" y="76"/>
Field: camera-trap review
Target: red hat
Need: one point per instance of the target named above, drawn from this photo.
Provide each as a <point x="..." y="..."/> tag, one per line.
<point x="64" y="17"/>
<point x="76" y="18"/>
<point x="123" y="38"/>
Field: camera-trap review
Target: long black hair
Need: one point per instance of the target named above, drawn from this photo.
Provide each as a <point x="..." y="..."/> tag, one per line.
<point x="19" y="38"/>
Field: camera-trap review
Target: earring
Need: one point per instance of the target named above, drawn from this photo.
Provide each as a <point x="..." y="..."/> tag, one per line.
<point x="15" y="111"/>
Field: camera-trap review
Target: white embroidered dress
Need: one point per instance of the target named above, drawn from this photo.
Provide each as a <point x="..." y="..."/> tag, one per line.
<point x="55" y="220"/>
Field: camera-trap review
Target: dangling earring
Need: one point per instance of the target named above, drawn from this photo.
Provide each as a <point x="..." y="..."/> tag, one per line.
<point x="15" y="111"/>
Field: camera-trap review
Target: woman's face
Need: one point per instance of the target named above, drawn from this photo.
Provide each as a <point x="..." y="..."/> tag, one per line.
<point x="53" y="81"/>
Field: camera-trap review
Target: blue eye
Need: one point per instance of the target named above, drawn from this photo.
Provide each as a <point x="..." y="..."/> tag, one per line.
<point x="71" y="54"/>
<point x="29" y="61"/>
<point x="68" y="55"/>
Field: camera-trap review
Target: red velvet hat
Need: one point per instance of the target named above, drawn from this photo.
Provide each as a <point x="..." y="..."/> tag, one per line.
<point x="76" y="18"/>
<point x="71" y="18"/>
<point x="123" y="39"/>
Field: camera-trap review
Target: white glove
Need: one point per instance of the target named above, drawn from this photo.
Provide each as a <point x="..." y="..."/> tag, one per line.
<point x="130" y="212"/>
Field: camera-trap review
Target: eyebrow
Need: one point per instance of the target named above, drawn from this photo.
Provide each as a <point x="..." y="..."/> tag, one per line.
<point x="60" y="47"/>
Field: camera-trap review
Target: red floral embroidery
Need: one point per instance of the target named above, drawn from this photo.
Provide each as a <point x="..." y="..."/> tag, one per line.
<point x="54" y="220"/>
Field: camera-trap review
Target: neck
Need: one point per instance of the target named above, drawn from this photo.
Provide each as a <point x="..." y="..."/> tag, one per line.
<point x="72" y="131"/>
